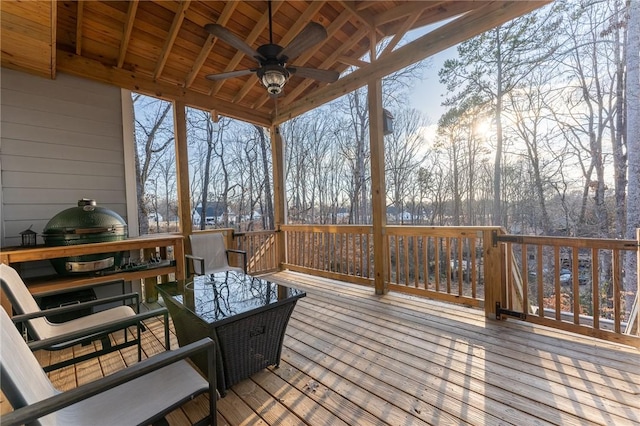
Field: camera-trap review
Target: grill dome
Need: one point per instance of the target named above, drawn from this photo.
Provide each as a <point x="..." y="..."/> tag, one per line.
<point x="86" y="223"/>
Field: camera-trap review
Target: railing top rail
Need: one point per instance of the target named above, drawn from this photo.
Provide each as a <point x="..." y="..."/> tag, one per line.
<point x="329" y="228"/>
<point x="213" y="231"/>
<point x="244" y="233"/>
<point x="439" y="228"/>
<point x="440" y="231"/>
<point x="577" y="242"/>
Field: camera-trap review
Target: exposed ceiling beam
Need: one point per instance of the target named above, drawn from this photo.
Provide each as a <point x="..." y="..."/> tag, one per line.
<point x="411" y="9"/>
<point x="209" y="43"/>
<point x="128" y="29"/>
<point x="434" y="14"/>
<point x="54" y="39"/>
<point x="171" y="37"/>
<point x="94" y="70"/>
<point x="353" y="61"/>
<point x="363" y="5"/>
<point x="448" y="35"/>
<point x="79" y="13"/>
<point x="365" y="17"/>
<point x="402" y="31"/>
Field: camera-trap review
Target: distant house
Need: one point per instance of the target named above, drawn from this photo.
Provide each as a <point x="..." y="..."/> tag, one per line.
<point x="214" y="214"/>
<point x="155" y="217"/>
<point x="397" y="215"/>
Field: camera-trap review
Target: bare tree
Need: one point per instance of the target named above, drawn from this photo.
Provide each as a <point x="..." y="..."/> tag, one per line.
<point x="493" y="64"/>
<point x="267" y="200"/>
<point x="633" y="145"/>
<point x="154" y="135"/>
<point x="403" y="156"/>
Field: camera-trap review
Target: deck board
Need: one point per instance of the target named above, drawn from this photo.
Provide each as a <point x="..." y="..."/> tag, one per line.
<point x="353" y="358"/>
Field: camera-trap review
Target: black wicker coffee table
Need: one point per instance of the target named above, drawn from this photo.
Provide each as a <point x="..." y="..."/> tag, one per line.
<point x="246" y="316"/>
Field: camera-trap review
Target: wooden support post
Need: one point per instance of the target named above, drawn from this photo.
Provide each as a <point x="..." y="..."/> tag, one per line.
<point x="494" y="287"/>
<point x="150" y="292"/>
<point x="182" y="172"/>
<point x="378" y="190"/>
<point x="279" y="214"/>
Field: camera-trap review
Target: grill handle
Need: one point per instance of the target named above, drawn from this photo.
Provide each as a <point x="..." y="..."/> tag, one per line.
<point x="85" y="231"/>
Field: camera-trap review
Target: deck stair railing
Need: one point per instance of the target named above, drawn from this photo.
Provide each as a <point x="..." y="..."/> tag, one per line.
<point x="261" y="250"/>
<point x="632" y="325"/>
<point x="575" y="284"/>
<point x="517" y="288"/>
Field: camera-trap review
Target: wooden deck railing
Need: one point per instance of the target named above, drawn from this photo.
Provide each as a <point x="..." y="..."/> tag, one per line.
<point x="261" y="250"/>
<point x="443" y="263"/>
<point x="342" y="252"/>
<point x="547" y="280"/>
<point x="576" y="284"/>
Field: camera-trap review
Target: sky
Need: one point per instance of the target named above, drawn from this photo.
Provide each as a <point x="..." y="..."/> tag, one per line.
<point x="428" y="93"/>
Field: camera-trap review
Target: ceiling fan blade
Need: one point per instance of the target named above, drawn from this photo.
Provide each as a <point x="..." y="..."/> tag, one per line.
<point x="224" y="34"/>
<point x="328" y="76"/>
<point x="310" y="35"/>
<point x="230" y="74"/>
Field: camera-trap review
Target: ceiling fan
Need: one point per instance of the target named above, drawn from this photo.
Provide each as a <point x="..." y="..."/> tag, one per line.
<point x="273" y="60"/>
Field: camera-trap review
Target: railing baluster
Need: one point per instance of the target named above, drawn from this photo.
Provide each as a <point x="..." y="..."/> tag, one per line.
<point x="556" y="280"/>
<point x="595" y="292"/>
<point x="575" y="285"/>
<point x="616" y="266"/>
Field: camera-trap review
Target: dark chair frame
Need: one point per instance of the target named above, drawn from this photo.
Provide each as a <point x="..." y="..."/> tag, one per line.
<point x="88" y="335"/>
<point x="30" y="413"/>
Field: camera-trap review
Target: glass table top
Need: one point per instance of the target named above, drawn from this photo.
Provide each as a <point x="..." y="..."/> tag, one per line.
<point x="217" y="297"/>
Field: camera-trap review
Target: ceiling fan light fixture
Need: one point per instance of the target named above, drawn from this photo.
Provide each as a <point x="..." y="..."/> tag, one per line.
<point x="274" y="80"/>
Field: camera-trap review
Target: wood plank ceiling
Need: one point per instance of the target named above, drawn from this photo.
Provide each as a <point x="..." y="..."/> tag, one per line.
<point x="161" y="47"/>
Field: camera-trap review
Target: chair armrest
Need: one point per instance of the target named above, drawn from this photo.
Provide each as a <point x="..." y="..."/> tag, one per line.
<point x="47" y="406"/>
<point x="194" y="258"/>
<point x="240" y="252"/>
<point x="77" y="306"/>
<point x="107" y="327"/>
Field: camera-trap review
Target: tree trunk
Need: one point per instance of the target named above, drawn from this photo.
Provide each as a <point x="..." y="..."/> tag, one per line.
<point x="633" y="146"/>
<point x="497" y="165"/>
<point x="267" y="217"/>
<point x="619" y="142"/>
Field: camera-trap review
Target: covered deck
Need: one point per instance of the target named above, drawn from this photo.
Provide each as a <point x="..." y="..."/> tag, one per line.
<point x="355" y="358"/>
<point x="350" y="356"/>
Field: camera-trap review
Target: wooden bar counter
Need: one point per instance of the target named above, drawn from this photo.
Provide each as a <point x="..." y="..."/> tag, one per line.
<point x="41" y="286"/>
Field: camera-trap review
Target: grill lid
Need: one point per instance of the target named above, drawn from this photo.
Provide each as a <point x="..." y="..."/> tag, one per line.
<point x="86" y="218"/>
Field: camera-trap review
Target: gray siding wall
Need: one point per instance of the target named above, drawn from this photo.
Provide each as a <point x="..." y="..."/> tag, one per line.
<point x="60" y="141"/>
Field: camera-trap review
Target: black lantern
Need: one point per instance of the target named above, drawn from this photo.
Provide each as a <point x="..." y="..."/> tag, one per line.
<point x="387" y="122"/>
<point x="28" y="237"/>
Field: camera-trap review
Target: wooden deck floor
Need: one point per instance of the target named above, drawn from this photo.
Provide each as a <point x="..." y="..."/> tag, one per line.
<point x="353" y="358"/>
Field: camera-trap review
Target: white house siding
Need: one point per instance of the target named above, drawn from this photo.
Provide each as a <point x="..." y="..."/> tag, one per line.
<point x="60" y="141"/>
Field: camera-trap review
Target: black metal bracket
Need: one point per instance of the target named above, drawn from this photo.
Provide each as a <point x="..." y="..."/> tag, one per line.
<point x="500" y="311"/>
<point x="505" y="238"/>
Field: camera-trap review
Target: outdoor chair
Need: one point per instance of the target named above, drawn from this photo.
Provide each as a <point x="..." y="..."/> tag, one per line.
<point x="210" y="255"/>
<point x="95" y="326"/>
<point x="141" y="394"/>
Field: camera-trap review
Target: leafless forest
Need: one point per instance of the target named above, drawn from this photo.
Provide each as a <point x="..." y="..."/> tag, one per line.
<point x="536" y="138"/>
